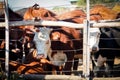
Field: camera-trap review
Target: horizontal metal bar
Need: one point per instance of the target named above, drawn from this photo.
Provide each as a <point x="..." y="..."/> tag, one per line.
<point x="46" y="23"/>
<point x="61" y="23"/>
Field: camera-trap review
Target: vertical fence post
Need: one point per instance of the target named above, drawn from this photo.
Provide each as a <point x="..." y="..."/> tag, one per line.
<point x="86" y="50"/>
<point x="6" y="40"/>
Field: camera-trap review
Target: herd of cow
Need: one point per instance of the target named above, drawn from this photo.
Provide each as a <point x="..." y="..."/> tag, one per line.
<point x="53" y="50"/>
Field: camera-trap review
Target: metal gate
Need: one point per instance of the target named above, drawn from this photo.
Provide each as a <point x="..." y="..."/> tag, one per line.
<point x="86" y="33"/>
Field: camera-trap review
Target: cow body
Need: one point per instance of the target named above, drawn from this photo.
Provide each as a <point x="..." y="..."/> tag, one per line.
<point x="108" y="45"/>
<point x="109" y="49"/>
<point x="62" y="39"/>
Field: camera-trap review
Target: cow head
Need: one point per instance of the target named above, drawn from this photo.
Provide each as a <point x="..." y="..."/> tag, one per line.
<point x="94" y="39"/>
<point x="42" y="41"/>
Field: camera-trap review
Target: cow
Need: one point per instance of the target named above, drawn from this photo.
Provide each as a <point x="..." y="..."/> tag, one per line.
<point x="108" y="50"/>
<point x="108" y="43"/>
<point x="65" y="40"/>
<point x="37" y="37"/>
<point x="69" y="41"/>
<point x="105" y="12"/>
<point x="71" y="14"/>
<point x="40" y="43"/>
<point x="36" y="13"/>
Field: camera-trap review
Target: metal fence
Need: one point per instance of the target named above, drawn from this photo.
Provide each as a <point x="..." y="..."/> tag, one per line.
<point x="85" y="26"/>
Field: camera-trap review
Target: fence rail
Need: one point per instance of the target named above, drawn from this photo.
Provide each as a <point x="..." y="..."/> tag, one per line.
<point x="61" y="23"/>
<point x="61" y="77"/>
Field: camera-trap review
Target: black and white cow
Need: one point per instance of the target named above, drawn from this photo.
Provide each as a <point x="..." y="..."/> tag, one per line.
<point x="109" y="48"/>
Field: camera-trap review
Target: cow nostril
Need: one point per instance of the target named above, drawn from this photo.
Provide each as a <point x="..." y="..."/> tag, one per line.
<point x="39" y="56"/>
<point x="94" y="48"/>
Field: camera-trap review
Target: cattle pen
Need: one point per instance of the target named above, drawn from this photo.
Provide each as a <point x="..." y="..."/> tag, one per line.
<point x="86" y="53"/>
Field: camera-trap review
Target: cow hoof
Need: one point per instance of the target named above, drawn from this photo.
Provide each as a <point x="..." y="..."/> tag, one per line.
<point x="108" y="71"/>
<point x="99" y="71"/>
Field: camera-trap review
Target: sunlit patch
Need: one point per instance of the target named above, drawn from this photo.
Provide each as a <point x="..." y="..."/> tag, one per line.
<point x="59" y="58"/>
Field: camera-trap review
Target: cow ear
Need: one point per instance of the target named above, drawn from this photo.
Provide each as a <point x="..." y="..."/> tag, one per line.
<point x="48" y="29"/>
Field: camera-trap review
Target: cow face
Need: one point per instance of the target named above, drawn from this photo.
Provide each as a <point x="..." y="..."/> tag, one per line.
<point x="94" y="39"/>
<point x="42" y="41"/>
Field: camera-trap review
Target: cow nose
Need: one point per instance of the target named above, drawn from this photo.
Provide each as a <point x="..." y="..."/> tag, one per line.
<point x="94" y="49"/>
<point x="39" y="56"/>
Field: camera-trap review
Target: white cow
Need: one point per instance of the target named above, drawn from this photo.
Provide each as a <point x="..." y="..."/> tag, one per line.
<point x="43" y="47"/>
<point x="42" y="41"/>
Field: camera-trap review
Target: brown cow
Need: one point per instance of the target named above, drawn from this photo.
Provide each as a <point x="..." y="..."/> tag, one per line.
<point x="36" y="13"/>
<point x="66" y="40"/>
<point x="71" y="14"/>
<point x="104" y="12"/>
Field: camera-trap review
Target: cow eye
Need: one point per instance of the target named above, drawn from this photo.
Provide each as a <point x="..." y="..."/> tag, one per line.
<point x="46" y="15"/>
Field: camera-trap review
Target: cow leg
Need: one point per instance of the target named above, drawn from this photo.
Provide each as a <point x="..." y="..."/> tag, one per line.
<point x="57" y="70"/>
<point x="69" y="63"/>
<point x="99" y="67"/>
<point x="76" y="60"/>
<point x="75" y="66"/>
<point x="67" y="67"/>
<point x="109" y="66"/>
<point x="104" y="66"/>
